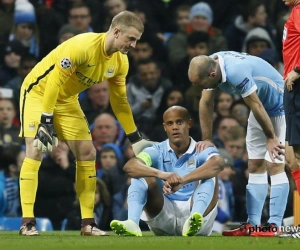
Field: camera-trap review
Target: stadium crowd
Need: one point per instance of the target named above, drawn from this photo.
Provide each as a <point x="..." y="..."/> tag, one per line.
<point x="175" y="32"/>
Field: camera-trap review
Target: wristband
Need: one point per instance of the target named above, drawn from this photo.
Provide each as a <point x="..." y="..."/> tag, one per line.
<point x="47" y="119"/>
<point x="135" y="136"/>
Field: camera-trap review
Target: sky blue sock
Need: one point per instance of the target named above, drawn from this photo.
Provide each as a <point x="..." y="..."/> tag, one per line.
<point x="278" y="198"/>
<point x="255" y="198"/>
<point x="137" y="198"/>
<point x="203" y="195"/>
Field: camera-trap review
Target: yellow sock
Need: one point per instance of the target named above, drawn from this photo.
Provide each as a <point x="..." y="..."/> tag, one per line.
<point x="85" y="187"/>
<point x="28" y="185"/>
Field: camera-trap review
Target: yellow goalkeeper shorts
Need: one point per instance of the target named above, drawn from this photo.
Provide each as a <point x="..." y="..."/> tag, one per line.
<point x="68" y="118"/>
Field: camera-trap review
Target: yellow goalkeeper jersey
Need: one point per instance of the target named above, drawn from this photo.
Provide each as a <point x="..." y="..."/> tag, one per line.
<point x="76" y="65"/>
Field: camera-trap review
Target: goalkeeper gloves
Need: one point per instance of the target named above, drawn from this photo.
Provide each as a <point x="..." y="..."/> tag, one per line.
<point x="45" y="136"/>
<point x="138" y="142"/>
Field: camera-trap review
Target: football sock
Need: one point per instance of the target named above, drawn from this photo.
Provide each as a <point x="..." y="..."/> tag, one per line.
<point x="85" y="187"/>
<point x="296" y="177"/>
<point x="28" y="185"/>
<point x="203" y="195"/>
<point x="256" y="193"/>
<point x="278" y="198"/>
<point x="137" y="198"/>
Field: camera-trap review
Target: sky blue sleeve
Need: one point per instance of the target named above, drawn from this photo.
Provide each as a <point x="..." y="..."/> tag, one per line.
<point x="204" y="155"/>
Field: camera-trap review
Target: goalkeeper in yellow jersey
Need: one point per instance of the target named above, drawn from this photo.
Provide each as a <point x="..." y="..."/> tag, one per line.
<point x="49" y="110"/>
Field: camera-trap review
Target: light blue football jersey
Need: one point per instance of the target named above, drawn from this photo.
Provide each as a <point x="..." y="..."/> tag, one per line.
<point x="164" y="158"/>
<point x="243" y="74"/>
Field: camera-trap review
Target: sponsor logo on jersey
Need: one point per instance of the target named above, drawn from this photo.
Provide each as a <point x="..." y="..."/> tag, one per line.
<point x="243" y="83"/>
<point x="85" y="80"/>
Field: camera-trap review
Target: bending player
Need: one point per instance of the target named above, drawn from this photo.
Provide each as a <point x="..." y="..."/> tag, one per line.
<point x="261" y="87"/>
<point x="49" y="105"/>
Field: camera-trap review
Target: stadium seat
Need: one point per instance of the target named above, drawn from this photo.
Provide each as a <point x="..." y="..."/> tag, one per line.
<point x="1" y="223"/>
<point x="44" y="224"/>
<point x="63" y="224"/>
<point x="11" y="224"/>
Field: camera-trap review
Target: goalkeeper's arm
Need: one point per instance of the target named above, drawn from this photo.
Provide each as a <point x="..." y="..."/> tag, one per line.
<point x="46" y="137"/>
<point x="121" y="108"/>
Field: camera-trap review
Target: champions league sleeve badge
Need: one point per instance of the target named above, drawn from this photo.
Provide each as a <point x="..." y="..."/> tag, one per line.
<point x="65" y="63"/>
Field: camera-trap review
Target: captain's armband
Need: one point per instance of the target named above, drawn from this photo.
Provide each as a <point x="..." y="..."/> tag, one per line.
<point x="146" y="158"/>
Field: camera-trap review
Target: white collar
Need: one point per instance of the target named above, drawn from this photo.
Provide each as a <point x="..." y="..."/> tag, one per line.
<point x="190" y="149"/>
<point x="222" y="67"/>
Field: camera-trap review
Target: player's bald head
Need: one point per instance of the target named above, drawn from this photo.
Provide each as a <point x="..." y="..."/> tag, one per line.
<point x="176" y="111"/>
<point x="204" y="72"/>
<point x="200" y="67"/>
<point x="126" y="19"/>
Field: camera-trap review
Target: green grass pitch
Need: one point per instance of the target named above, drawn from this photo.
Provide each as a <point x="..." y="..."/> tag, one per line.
<point x="65" y="240"/>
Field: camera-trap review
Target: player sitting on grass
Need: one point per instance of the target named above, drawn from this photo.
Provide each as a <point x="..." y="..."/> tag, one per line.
<point x="174" y="185"/>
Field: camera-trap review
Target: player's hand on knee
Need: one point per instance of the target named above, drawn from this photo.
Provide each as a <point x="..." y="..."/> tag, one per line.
<point x="275" y="149"/>
<point x="45" y="137"/>
<point x="138" y="142"/>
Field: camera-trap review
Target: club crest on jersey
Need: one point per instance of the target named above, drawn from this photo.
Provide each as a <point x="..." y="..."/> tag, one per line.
<point x="110" y="71"/>
<point x="191" y="163"/>
<point x="31" y="126"/>
<point x="65" y="63"/>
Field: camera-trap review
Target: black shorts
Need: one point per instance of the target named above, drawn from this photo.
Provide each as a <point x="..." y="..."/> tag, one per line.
<point x="291" y="103"/>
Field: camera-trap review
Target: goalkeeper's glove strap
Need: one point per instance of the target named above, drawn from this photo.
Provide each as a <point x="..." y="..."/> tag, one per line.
<point x="46" y="119"/>
<point x="135" y="136"/>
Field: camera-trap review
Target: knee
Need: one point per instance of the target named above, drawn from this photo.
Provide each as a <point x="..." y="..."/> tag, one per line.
<point x="92" y="154"/>
<point x="275" y="168"/>
<point x="31" y="151"/>
<point x="34" y="153"/>
<point x="151" y="181"/>
<point x="87" y="154"/>
<point x="256" y="166"/>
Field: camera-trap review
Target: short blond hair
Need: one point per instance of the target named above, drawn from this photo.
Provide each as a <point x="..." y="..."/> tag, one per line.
<point x="235" y="133"/>
<point x="127" y="19"/>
